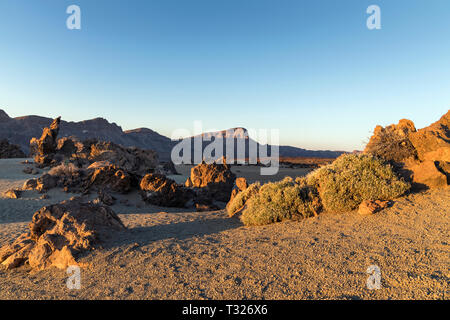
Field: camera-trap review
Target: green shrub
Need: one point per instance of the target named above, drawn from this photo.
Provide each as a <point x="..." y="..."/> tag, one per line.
<point x="350" y="179"/>
<point x="279" y="201"/>
<point x="241" y="198"/>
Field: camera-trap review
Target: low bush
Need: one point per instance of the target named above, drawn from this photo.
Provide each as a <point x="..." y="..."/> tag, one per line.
<point x="279" y="201"/>
<point x="350" y="179"/>
<point x="241" y="198"/>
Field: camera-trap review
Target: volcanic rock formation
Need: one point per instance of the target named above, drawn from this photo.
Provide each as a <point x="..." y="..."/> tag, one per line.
<point x="422" y="156"/>
<point x="59" y="233"/>
<point x="8" y="150"/>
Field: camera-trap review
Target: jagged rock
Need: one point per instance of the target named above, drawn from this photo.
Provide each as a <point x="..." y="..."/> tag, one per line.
<point x="13" y="194"/>
<point x="421" y="156"/>
<point x="433" y="142"/>
<point x="110" y="177"/>
<point x="188" y="183"/>
<point x="59" y="233"/>
<point x="44" y="149"/>
<point x="133" y="160"/>
<point x="216" y="178"/>
<point x="30" y="184"/>
<point x="8" y="151"/>
<point x="392" y="143"/>
<point x="239" y="186"/>
<point x="161" y="191"/>
<point x="105" y="198"/>
<point x="67" y="147"/>
<point x="45" y="183"/>
<point x="368" y="207"/>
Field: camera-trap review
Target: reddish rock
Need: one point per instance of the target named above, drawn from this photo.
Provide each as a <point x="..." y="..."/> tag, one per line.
<point x="426" y="174"/>
<point x="44" y="149"/>
<point x="67" y="147"/>
<point x="368" y="207"/>
<point x="433" y="142"/>
<point x="110" y="177"/>
<point x="58" y="233"/>
<point x="240" y="185"/>
<point x="216" y="178"/>
<point x="30" y="184"/>
<point x="13" y="194"/>
<point x="422" y="156"/>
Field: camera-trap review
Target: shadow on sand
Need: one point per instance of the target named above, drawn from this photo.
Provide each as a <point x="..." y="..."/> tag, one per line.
<point x="178" y="231"/>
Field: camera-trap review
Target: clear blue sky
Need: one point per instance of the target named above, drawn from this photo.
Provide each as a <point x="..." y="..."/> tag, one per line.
<point x="309" y="68"/>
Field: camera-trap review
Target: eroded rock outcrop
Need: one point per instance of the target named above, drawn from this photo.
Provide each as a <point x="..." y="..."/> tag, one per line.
<point x="9" y="151"/>
<point x="159" y="190"/>
<point x="44" y="149"/>
<point x="133" y="160"/>
<point x="51" y="151"/>
<point x="109" y="177"/>
<point x="59" y="233"/>
<point x="239" y="186"/>
<point x="216" y="179"/>
<point x="421" y="156"/>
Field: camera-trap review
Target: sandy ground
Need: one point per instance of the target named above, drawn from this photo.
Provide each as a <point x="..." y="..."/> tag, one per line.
<point x="176" y="254"/>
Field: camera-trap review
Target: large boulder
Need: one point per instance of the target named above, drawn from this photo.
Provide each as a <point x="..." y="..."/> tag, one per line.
<point x="426" y="174"/>
<point x="8" y="151"/>
<point x="132" y="159"/>
<point x="433" y="142"/>
<point x="68" y="146"/>
<point x="44" y="149"/>
<point x="59" y="233"/>
<point x="421" y="156"/>
<point x="109" y="177"/>
<point x="159" y="190"/>
<point x="216" y="178"/>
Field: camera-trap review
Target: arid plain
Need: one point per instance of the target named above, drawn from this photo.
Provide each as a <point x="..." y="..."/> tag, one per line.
<point x="181" y="254"/>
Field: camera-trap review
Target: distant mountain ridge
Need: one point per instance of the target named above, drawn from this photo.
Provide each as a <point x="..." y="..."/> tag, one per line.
<point x="20" y="130"/>
<point x="241" y="135"/>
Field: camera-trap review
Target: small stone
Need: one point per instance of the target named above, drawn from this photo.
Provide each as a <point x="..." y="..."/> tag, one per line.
<point x="368" y="207"/>
<point x="13" y="194"/>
